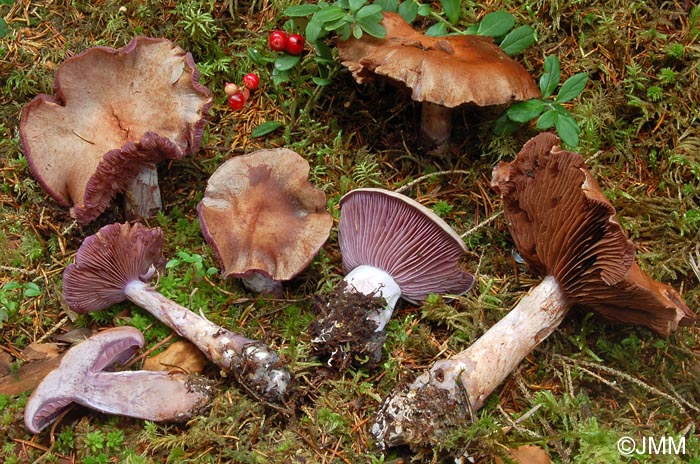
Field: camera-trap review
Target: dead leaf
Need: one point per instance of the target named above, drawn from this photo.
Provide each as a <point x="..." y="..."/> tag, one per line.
<point x="28" y="376"/>
<point x="38" y="351"/>
<point x="181" y="355"/>
<point x="527" y="454"/>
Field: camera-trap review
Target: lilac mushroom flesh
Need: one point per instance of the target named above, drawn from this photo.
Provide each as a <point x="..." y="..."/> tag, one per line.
<point x="393" y="247"/>
<point x="83" y="377"/>
<point x="116" y="264"/>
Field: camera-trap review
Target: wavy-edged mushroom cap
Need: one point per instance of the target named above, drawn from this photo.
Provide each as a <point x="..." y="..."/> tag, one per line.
<point x="398" y="235"/>
<point x="107" y="261"/>
<point x="113" y="112"/>
<point x="563" y="225"/>
<point x="261" y="214"/>
<point x="81" y="378"/>
<point x="447" y="71"/>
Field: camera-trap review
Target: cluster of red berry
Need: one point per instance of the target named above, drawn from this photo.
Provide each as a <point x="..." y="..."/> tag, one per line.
<point x="278" y="41"/>
<point x="238" y="95"/>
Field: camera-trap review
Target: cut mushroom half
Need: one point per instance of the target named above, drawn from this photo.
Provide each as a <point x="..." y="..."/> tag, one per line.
<point x="113" y="116"/>
<point x="392" y="247"/>
<point x="441" y="72"/>
<point x="566" y="229"/>
<point x="263" y="218"/>
<point x="84" y="377"/>
<point x="117" y="264"/>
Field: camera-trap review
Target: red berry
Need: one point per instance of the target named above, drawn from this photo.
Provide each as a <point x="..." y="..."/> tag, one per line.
<point x="251" y="81"/>
<point x="295" y="44"/>
<point x="236" y="101"/>
<point x="277" y="41"/>
<point x="230" y="88"/>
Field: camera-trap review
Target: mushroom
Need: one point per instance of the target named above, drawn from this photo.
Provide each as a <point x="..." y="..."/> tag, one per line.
<point x="442" y="72"/>
<point x="116" y="264"/>
<point x="84" y="377"/>
<point x="566" y="229"/>
<point x="393" y="247"/>
<point x="263" y="218"/>
<point x="114" y="115"/>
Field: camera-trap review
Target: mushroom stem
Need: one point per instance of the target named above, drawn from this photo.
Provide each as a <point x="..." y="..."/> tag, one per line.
<point x="132" y="393"/>
<point x="437" y="400"/>
<point x="252" y="362"/>
<point x="143" y="194"/>
<point x="260" y="283"/>
<point x="372" y="281"/>
<point x="436" y="122"/>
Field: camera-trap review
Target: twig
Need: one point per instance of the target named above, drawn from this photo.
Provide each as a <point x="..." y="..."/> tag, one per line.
<point x="481" y="224"/>
<point x="420" y="179"/>
<point x="629" y="378"/>
<point x="53" y="329"/>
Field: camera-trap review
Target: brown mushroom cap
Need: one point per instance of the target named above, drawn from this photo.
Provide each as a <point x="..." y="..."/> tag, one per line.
<point x="113" y="112"/>
<point x="563" y="225"/>
<point x="398" y="235"/>
<point x="447" y="71"/>
<point x="261" y="214"/>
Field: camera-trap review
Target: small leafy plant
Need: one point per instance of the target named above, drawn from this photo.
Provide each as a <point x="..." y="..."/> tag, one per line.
<point x="548" y="109"/>
<point x="353" y="18"/>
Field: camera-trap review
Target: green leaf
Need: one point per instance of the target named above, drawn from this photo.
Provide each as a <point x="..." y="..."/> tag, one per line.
<point x="301" y="10"/>
<point x="339" y="23"/>
<point x="286" y="62"/>
<point x="437" y="29"/>
<point x="518" y="40"/>
<point x="504" y="125"/>
<point x="4" y="28"/>
<point x="257" y="57"/>
<point x="265" y="128"/>
<point x="496" y="24"/>
<point x="526" y="111"/>
<point x="355" y="5"/>
<point x="31" y="289"/>
<point x="451" y="9"/>
<point x="567" y="129"/>
<point x="372" y="27"/>
<point x="388" y="5"/>
<point x="356" y="31"/>
<point x="408" y="11"/>
<point x="550" y="77"/>
<point x="330" y="14"/>
<point x="321" y="81"/>
<point x="314" y="29"/>
<point x="547" y="120"/>
<point x="369" y="11"/>
<point x="424" y="10"/>
<point x="344" y="32"/>
<point x="572" y="88"/>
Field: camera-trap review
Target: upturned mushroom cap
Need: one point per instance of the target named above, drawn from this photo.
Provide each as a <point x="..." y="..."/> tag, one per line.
<point x="400" y="236"/>
<point x="563" y="225"/>
<point x="448" y="71"/>
<point x="80" y="378"/>
<point x="107" y="261"/>
<point x="113" y="112"/>
<point x="261" y="214"/>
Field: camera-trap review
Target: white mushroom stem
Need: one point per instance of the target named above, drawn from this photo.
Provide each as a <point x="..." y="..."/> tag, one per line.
<point x="253" y="362"/>
<point x="260" y="283"/>
<point x="143" y="194"/>
<point x="473" y="374"/>
<point x="436" y="122"/>
<point x="372" y="281"/>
